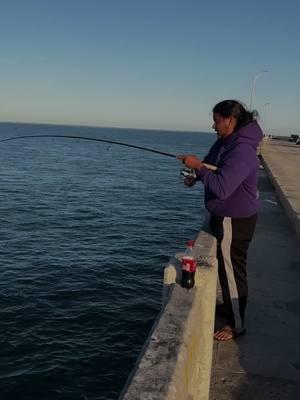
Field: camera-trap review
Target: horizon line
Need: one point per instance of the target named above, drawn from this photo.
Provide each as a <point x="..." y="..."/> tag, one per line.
<point x="106" y="127"/>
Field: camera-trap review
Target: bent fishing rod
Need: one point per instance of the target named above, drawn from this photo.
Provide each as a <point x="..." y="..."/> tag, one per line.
<point x="92" y="139"/>
<point x="163" y="153"/>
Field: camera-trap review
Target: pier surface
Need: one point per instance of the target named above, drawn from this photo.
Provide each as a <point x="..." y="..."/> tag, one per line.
<point x="265" y="364"/>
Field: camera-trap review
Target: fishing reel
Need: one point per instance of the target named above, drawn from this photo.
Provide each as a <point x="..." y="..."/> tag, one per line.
<point x="189" y="175"/>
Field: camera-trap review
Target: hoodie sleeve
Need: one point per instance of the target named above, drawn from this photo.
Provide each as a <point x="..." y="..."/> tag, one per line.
<point x="211" y="156"/>
<point x="229" y="176"/>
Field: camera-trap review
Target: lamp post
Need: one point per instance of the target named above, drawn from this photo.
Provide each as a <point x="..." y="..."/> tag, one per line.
<point x="253" y="86"/>
<point x="264" y="111"/>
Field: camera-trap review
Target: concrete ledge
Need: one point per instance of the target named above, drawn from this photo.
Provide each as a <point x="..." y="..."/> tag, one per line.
<point x="175" y="363"/>
<point x="290" y="208"/>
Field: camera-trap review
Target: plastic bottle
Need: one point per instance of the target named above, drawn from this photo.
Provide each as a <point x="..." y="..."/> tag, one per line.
<point x="189" y="265"/>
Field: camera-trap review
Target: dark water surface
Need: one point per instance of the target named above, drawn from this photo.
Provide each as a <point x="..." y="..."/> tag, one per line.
<point x="85" y="233"/>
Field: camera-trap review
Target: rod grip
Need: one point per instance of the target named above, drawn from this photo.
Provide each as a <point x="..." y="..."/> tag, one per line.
<point x="210" y="167"/>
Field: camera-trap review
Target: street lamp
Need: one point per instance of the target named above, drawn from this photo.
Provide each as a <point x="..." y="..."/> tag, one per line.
<point x="253" y="86"/>
<point x="264" y="116"/>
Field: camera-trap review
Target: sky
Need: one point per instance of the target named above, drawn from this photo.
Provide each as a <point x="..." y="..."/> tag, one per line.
<point x="159" y="64"/>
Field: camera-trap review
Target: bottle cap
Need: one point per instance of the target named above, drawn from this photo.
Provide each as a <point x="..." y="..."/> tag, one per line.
<point x="191" y="243"/>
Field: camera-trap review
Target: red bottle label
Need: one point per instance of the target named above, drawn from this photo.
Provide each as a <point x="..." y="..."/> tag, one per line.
<point x="189" y="264"/>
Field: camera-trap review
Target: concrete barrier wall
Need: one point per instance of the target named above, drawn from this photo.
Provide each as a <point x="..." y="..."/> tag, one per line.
<point x="175" y="363"/>
<point x="287" y="200"/>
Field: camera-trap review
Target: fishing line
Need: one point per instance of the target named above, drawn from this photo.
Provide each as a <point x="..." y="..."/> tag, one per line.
<point x="92" y="139"/>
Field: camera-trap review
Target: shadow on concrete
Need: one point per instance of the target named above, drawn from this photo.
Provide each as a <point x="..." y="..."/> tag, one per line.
<point x="265" y="364"/>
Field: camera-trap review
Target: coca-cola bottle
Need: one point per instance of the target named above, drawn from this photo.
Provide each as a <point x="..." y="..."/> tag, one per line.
<point x="189" y="265"/>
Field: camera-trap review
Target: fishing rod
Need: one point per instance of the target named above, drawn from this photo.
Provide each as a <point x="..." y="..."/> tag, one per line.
<point x="92" y="139"/>
<point x="163" y="153"/>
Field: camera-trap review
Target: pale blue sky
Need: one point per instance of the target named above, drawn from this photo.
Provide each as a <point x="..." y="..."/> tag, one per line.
<point x="149" y="64"/>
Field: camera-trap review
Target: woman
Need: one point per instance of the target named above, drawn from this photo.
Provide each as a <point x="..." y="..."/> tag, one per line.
<point x="231" y="199"/>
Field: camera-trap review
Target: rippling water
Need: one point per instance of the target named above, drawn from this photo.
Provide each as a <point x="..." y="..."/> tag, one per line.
<point x="85" y="232"/>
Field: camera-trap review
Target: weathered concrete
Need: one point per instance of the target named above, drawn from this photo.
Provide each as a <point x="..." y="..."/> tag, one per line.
<point x="282" y="162"/>
<point x="265" y="364"/>
<point x="176" y="361"/>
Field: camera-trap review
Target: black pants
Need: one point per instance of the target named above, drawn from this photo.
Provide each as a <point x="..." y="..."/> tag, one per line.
<point x="233" y="238"/>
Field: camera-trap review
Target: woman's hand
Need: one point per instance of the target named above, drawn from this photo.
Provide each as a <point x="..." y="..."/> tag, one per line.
<point x="190" y="161"/>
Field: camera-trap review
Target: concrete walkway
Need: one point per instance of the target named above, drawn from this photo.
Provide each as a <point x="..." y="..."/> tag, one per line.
<point x="265" y="364"/>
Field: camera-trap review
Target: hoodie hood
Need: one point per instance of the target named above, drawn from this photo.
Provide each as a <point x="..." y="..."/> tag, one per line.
<point x="250" y="134"/>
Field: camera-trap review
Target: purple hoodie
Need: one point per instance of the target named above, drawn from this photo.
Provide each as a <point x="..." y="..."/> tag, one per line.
<point x="231" y="191"/>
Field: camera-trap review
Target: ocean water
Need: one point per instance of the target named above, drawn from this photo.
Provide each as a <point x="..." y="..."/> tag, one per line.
<point x="85" y="232"/>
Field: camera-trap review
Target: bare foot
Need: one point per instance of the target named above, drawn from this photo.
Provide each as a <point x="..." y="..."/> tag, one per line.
<point x="227" y="333"/>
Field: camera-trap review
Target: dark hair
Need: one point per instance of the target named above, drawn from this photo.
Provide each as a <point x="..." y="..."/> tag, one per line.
<point x="233" y="108"/>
